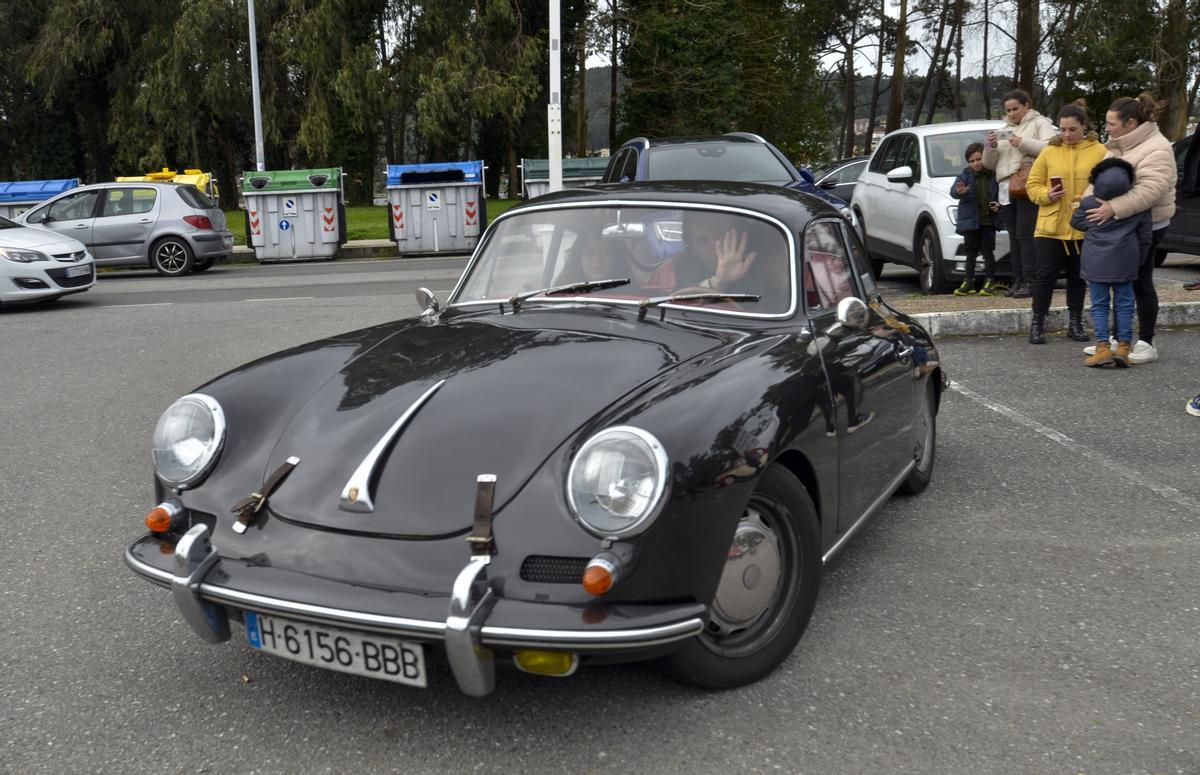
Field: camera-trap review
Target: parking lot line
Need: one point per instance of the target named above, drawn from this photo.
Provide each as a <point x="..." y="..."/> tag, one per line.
<point x="282" y="298"/>
<point x="1121" y="469"/>
<point x="149" y="304"/>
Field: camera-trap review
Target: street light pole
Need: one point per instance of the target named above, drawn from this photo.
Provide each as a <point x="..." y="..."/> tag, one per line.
<point x="259" y="156"/>
<point x="554" y="109"/>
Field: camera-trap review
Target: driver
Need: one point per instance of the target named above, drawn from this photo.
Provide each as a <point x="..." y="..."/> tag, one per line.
<point x="715" y="257"/>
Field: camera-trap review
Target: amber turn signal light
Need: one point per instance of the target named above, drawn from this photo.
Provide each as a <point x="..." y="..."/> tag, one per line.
<point x="161" y="516"/>
<point x="599" y="576"/>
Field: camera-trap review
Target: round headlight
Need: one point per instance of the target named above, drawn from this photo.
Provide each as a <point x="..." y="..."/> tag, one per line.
<point x="188" y="439"/>
<point x="617" y="481"/>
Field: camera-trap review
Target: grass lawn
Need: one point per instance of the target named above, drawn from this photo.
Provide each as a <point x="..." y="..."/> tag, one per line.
<point x="362" y="222"/>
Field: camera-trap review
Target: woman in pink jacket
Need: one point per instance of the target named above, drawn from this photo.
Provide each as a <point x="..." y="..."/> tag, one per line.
<point x="1134" y="137"/>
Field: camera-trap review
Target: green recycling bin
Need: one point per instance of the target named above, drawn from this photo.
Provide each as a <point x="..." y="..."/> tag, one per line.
<point x="292" y="215"/>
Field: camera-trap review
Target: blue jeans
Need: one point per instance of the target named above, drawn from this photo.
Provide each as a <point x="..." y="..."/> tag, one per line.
<point x="1122" y="299"/>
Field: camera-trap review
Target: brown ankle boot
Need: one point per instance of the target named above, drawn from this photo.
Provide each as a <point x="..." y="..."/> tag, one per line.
<point x="1102" y="357"/>
<point x="1121" y="356"/>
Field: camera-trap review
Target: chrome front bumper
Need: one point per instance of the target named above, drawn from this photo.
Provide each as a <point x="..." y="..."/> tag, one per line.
<point x="477" y="622"/>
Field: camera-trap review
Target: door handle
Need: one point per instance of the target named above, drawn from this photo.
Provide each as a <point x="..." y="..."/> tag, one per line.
<point x="145" y="220"/>
<point x="81" y="226"/>
<point x="903" y="352"/>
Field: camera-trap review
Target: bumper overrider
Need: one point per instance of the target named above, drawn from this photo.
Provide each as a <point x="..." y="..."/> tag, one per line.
<point x="478" y="621"/>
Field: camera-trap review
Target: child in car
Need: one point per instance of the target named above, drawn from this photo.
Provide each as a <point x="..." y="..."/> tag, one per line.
<point x="978" y="217"/>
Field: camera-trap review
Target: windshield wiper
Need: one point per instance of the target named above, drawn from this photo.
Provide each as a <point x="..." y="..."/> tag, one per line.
<point x="583" y="287"/>
<point x="658" y="301"/>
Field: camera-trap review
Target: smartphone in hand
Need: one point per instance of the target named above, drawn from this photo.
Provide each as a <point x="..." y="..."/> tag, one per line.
<point x="1056" y="181"/>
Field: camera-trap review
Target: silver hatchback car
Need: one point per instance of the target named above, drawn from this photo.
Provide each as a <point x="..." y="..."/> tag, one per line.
<point x="172" y="227"/>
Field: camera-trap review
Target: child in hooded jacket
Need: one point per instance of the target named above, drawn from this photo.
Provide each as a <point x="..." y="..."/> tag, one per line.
<point x="978" y="217"/>
<point x="1109" y="259"/>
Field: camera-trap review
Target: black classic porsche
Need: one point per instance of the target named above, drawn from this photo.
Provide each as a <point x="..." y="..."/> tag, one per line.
<point x="645" y="417"/>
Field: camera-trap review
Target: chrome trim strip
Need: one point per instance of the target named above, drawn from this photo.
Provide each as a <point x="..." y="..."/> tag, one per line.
<point x="873" y="507"/>
<point x="489" y="636"/>
<point x="593" y="641"/>
<point x="356" y="495"/>
<point x="793" y="249"/>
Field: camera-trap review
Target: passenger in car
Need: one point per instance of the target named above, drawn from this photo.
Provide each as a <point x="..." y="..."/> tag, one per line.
<point x="716" y="256"/>
<point x="594" y="258"/>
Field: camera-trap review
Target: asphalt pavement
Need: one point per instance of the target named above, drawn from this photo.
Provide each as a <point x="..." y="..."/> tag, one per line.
<point x="1036" y="610"/>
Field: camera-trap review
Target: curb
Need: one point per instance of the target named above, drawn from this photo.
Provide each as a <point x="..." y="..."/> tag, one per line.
<point x="243" y="254"/>
<point x="1013" y="321"/>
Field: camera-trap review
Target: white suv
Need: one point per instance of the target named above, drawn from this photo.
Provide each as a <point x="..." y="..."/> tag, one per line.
<point x="904" y="208"/>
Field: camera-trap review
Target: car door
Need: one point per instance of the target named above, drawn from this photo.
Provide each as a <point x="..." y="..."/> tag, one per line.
<point x="872" y="193"/>
<point x="901" y="200"/>
<point x="1183" y="235"/>
<point x="71" y="214"/>
<point x="125" y="221"/>
<point x="869" y="371"/>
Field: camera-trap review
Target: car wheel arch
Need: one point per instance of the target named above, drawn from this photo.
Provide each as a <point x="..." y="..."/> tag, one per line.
<point x="795" y="461"/>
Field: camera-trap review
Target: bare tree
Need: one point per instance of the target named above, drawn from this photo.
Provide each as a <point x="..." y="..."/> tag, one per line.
<point x="1171" y="64"/>
<point x="896" y="103"/>
<point x="882" y="37"/>
<point x="1026" y="53"/>
<point x="983" y="80"/>
<point x="934" y="59"/>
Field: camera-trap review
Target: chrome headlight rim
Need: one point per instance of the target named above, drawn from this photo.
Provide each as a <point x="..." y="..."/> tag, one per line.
<point x="219" y="426"/>
<point x="657" y="500"/>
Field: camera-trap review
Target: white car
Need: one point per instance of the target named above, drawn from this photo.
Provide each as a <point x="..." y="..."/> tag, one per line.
<point x="903" y="204"/>
<point x="39" y="265"/>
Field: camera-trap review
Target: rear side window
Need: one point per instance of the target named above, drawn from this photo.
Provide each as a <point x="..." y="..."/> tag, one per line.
<point x="629" y="166"/>
<point x="194" y="197"/>
<point x="750" y="162"/>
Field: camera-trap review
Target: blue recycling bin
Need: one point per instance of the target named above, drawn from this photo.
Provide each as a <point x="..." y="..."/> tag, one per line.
<point x="17" y="197"/>
<point x="436" y="208"/>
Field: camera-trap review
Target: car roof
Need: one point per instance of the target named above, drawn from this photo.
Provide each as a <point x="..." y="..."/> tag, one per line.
<point x="732" y="137"/>
<point x="949" y="127"/>
<point x="127" y="184"/>
<point x="793" y="208"/>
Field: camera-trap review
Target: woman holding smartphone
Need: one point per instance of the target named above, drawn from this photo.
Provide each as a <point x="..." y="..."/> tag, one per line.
<point x="1005" y="152"/>
<point x="1056" y="184"/>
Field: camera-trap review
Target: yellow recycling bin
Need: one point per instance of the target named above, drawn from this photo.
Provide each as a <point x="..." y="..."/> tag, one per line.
<point x="201" y="180"/>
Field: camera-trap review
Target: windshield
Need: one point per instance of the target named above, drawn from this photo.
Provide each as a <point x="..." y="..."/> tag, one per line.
<point x="749" y="162"/>
<point x="7" y="224"/>
<point x="946" y="155"/>
<point x="660" y="251"/>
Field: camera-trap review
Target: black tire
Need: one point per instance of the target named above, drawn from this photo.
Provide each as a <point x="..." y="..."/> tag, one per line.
<point x="919" y="478"/>
<point x="929" y="260"/>
<point x="1160" y="256"/>
<point x="204" y="264"/>
<point x="172" y="257"/>
<point x="752" y="629"/>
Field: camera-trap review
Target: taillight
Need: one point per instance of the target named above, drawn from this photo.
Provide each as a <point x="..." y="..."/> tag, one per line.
<point x="199" y="221"/>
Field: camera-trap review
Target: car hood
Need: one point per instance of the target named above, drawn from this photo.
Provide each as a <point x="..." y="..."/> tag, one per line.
<point x="44" y="240"/>
<point x="515" y="387"/>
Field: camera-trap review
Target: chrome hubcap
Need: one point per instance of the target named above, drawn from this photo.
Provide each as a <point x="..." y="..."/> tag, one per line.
<point x="753" y="575"/>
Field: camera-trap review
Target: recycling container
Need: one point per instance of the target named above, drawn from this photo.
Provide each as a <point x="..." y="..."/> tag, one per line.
<point x="436" y="208"/>
<point x="292" y="215"/>
<point x="17" y="197"/>
<point x="198" y="178"/>
<point x="535" y="174"/>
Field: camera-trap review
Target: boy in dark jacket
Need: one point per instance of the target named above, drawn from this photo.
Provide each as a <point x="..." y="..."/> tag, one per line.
<point x="977" y="192"/>
<point x="1110" y="257"/>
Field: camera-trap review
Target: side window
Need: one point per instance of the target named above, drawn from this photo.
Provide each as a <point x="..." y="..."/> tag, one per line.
<point x="910" y="156"/>
<point x="828" y="276"/>
<point x="117" y="201"/>
<point x="143" y="200"/>
<point x="859" y="260"/>
<point x="613" y="173"/>
<point x="629" y="168"/>
<point x="879" y="161"/>
<point x="75" y="206"/>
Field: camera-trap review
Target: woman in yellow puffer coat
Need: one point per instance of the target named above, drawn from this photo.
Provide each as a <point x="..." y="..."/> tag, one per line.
<point x="1056" y="184"/>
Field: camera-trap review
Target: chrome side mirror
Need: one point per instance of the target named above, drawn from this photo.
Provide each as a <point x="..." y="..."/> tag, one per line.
<point x="427" y="301"/>
<point x="852" y="313"/>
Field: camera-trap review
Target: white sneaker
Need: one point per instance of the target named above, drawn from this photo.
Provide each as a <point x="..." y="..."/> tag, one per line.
<point x="1143" y="352"/>
<point x="1091" y="348"/>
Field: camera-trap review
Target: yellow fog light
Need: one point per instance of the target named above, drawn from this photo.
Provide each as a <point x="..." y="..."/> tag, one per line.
<point x="559" y="664"/>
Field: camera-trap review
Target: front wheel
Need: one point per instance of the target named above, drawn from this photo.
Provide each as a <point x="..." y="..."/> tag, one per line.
<point x="172" y="257"/>
<point x="926" y="450"/>
<point x="767" y="592"/>
<point x="929" y="253"/>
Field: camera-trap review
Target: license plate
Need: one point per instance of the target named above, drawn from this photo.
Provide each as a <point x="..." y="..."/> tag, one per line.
<point x="78" y="271"/>
<point x="375" y="656"/>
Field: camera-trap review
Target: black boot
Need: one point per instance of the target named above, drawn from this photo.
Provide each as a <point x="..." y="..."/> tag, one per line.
<point x="1037" y="333"/>
<point x="1075" y="327"/>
